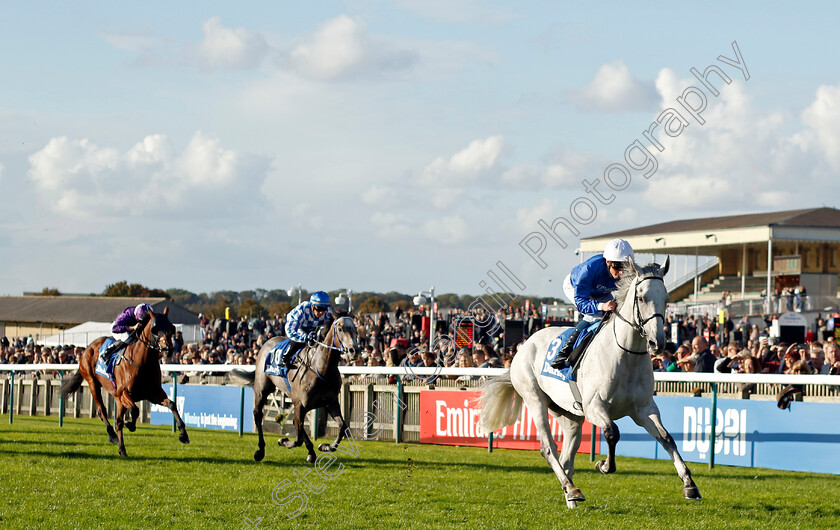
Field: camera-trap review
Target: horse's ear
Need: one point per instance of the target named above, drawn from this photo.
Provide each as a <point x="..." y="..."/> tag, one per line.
<point x="166" y="310"/>
<point x="632" y="263"/>
<point x="666" y="265"/>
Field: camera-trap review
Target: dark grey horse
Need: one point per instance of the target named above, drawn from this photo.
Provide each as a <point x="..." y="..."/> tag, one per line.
<point x="315" y="382"/>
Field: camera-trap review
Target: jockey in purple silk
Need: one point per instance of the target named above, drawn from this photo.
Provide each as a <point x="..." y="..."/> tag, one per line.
<point x="303" y="321"/>
<point x="125" y="328"/>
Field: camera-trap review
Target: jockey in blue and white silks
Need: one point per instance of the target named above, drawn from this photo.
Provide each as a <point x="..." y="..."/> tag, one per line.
<point x="303" y="321"/>
<point x="589" y="286"/>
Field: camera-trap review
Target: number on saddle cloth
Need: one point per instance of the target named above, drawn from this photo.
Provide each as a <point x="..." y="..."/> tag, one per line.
<point x="581" y="343"/>
<point x="274" y="360"/>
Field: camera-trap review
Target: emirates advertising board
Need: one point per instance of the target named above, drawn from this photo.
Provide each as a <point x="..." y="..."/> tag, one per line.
<point x="451" y="417"/>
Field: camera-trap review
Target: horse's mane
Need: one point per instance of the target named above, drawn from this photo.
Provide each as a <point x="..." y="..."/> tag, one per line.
<point x="626" y="280"/>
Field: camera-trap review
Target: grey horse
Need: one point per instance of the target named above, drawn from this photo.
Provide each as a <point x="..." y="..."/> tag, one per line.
<point x="314" y="379"/>
<point x="614" y="379"/>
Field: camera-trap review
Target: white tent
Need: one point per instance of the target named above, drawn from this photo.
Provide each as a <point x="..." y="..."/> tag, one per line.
<point x="84" y="334"/>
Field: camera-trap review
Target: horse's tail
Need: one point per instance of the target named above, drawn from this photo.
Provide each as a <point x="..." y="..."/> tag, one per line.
<point x="72" y="384"/>
<point x="243" y="377"/>
<point x="500" y="403"/>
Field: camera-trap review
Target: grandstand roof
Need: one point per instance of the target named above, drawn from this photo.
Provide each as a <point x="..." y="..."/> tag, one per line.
<point x="78" y="309"/>
<point x="816" y="217"/>
<point x="687" y="235"/>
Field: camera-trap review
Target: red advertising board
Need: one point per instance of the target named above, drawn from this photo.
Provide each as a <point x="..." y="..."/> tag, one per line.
<point x="451" y="417"/>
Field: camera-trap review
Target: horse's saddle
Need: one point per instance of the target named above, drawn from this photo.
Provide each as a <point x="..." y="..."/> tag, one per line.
<point x="554" y="348"/>
<point x="274" y="360"/>
<point x="107" y="369"/>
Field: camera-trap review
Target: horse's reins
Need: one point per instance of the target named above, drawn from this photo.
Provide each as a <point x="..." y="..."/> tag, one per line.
<point x="148" y="343"/>
<point x="335" y="338"/>
<point x="638" y="327"/>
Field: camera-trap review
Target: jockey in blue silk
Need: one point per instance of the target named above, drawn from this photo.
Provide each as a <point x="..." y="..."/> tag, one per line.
<point x="589" y="286"/>
<point x="303" y="321"/>
<point x="125" y="327"/>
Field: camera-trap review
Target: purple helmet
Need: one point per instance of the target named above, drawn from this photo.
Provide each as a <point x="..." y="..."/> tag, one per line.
<point x="141" y="310"/>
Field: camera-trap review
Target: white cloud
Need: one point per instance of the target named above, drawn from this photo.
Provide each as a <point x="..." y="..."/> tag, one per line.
<point x="447" y="230"/>
<point x="235" y="48"/>
<point x="378" y="195"/>
<point x="823" y="117"/>
<point x="740" y="152"/>
<point x="341" y="48"/>
<point x="614" y="89"/>
<point x="465" y="165"/>
<point x="683" y="191"/>
<point x="391" y="226"/>
<point x="77" y="178"/>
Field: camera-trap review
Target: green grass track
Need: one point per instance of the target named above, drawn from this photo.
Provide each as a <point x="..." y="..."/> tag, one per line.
<point x="71" y="477"/>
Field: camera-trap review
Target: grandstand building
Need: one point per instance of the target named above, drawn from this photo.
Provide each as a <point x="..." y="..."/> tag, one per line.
<point x="753" y="256"/>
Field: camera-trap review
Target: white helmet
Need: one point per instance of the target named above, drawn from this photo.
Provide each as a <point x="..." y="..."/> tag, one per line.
<point x="618" y="250"/>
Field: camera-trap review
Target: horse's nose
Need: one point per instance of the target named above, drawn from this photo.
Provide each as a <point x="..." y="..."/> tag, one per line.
<point x="653" y="346"/>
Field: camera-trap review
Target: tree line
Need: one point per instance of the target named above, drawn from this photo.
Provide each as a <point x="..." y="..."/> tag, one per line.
<point x="267" y="303"/>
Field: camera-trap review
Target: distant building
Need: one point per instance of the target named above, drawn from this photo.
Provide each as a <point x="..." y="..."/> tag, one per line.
<point x="42" y="316"/>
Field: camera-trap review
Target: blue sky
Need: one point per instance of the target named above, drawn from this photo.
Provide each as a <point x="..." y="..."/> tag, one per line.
<point x="377" y="145"/>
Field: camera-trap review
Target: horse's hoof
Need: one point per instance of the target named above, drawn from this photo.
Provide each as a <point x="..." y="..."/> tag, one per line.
<point x="326" y="448"/>
<point x="575" y="496"/>
<point x="571" y="504"/>
<point x="184" y="438"/>
<point x="601" y="465"/>
<point x="113" y="439"/>
<point x="259" y="454"/>
<point x="691" y="492"/>
<point x="123" y="453"/>
<point x="311" y="458"/>
<point x="282" y="442"/>
<point x="131" y="427"/>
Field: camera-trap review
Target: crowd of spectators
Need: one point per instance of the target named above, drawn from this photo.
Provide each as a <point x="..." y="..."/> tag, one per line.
<point x="704" y="345"/>
<point x="400" y="339"/>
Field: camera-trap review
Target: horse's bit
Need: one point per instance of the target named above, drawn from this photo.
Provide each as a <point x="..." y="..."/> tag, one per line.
<point x="638" y="327"/>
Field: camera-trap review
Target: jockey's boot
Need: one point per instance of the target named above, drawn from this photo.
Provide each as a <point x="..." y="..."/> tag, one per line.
<point x="561" y="361"/>
<point x="562" y="358"/>
<point x="289" y="356"/>
<point x="110" y="350"/>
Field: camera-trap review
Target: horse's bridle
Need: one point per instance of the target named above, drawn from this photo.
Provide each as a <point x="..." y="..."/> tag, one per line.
<point x="152" y="344"/>
<point x="335" y="338"/>
<point x="638" y="326"/>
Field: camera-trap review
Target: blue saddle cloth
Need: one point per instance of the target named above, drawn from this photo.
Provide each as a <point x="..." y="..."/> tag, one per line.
<point x="107" y="369"/>
<point x="274" y="361"/>
<point x="554" y="348"/>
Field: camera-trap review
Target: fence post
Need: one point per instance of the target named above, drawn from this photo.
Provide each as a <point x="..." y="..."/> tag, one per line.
<point x="592" y="443"/>
<point x="714" y="427"/>
<point x="241" y="411"/>
<point x="60" y="400"/>
<point x="33" y="399"/>
<point x="174" y="398"/>
<point x="398" y="412"/>
<point x="11" y="397"/>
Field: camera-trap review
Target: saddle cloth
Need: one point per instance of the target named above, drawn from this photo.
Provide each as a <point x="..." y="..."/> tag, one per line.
<point x="274" y="360"/>
<point x="553" y="349"/>
<point x="107" y="369"/>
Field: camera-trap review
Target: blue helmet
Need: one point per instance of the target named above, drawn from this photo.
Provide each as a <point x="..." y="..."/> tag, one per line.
<point x="320" y="299"/>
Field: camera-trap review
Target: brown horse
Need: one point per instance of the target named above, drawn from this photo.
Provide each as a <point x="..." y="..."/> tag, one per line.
<point x="137" y="376"/>
<point x="314" y="379"/>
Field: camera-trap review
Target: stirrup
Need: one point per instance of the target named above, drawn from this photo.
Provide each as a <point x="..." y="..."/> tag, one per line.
<point x="560" y="363"/>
